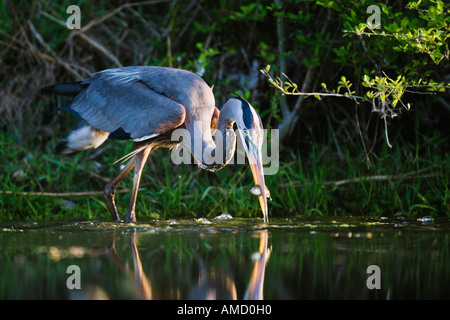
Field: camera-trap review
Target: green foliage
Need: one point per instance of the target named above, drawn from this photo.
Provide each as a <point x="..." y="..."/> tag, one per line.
<point x="359" y="68"/>
<point x="200" y="64"/>
<point x="423" y="28"/>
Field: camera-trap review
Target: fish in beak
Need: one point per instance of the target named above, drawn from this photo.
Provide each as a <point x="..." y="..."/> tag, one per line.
<point x="255" y="160"/>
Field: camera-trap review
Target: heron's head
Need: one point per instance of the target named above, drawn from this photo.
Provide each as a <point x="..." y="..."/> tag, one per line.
<point x="251" y="132"/>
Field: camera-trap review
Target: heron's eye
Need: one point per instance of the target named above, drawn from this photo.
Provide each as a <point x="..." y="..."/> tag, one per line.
<point x="245" y="131"/>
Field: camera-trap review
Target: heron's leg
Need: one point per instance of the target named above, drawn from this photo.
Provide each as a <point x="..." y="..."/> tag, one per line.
<point x="139" y="161"/>
<point x="110" y="190"/>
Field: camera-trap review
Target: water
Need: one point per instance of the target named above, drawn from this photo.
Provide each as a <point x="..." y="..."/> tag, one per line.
<point x="226" y="259"/>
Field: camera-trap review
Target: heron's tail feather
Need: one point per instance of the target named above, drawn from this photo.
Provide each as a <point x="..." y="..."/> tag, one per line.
<point x="82" y="137"/>
<point x="70" y="89"/>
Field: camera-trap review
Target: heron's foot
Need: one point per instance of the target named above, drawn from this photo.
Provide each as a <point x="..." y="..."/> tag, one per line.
<point x="130" y="217"/>
<point x="124" y="221"/>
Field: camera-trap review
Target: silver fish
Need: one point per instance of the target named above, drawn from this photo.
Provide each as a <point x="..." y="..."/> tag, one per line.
<point x="256" y="190"/>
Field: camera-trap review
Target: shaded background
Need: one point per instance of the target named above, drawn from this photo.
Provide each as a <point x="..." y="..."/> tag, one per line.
<point x="227" y="43"/>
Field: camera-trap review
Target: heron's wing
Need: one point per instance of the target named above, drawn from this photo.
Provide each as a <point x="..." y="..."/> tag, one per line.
<point x="127" y="108"/>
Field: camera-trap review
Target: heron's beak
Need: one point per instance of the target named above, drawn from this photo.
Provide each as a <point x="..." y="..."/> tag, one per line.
<point x="255" y="160"/>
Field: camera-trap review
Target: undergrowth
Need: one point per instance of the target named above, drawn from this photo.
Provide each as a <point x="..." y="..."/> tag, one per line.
<point x="334" y="158"/>
<point x="417" y="184"/>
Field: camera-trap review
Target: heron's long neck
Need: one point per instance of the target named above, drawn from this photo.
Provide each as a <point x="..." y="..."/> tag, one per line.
<point x="216" y="154"/>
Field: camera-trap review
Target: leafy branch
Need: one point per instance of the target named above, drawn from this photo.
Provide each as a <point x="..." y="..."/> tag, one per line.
<point x="384" y="94"/>
<point x="291" y="88"/>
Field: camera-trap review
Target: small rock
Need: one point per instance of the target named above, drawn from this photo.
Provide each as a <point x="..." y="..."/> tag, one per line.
<point x="203" y="220"/>
<point x="223" y="216"/>
<point x="425" y="220"/>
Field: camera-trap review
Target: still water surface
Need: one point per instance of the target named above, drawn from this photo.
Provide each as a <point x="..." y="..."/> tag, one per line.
<point x="226" y="259"/>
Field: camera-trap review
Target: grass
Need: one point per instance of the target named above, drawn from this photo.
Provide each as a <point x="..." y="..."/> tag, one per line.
<point x="411" y="180"/>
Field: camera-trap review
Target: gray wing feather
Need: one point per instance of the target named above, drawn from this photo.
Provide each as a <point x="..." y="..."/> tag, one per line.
<point x="116" y="100"/>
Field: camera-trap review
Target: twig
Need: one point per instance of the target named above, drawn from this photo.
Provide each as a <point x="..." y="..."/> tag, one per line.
<point x="444" y="103"/>
<point x="52" y="56"/>
<point x="338" y="183"/>
<point x="60" y="194"/>
<point x="308" y="94"/>
<point x="386" y="132"/>
<point x="280" y="32"/>
<point x="361" y="135"/>
<point x="101" y="48"/>
<point x="117" y="10"/>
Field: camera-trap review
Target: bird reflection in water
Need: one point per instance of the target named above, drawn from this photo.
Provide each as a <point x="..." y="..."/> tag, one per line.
<point x="143" y="285"/>
<point x="211" y="284"/>
<point x="260" y="259"/>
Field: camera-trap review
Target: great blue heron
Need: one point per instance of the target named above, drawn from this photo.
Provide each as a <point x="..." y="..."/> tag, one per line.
<point x="146" y="105"/>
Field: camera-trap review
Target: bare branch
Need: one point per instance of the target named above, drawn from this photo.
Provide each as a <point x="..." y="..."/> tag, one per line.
<point x="60" y="194"/>
<point x="101" y="48"/>
<point x="280" y="32"/>
<point x="337" y="183"/>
